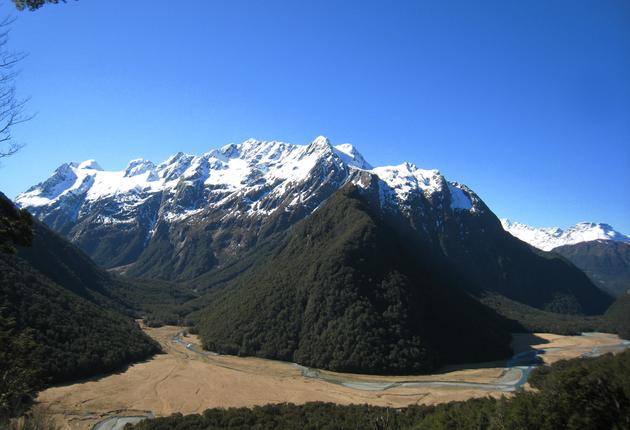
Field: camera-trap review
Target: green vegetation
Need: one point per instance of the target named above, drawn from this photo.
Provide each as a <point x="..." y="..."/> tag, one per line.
<point x="158" y="302"/>
<point x="344" y="293"/>
<point x="528" y="319"/>
<point x="580" y="394"/>
<point x="16" y="226"/>
<point x="33" y="4"/>
<point x="311" y="416"/>
<point x="73" y="338"/>
<point x="57" y="317"/>
<point x="492" y="260"/>
<point x="617" y="317"/>
<point x="37" y="418"/>
<point x="66" y="265"/>
<point x="19" y="371"/>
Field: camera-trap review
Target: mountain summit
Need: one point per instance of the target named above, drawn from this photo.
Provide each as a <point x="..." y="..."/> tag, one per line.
<point x="120" y="217"/>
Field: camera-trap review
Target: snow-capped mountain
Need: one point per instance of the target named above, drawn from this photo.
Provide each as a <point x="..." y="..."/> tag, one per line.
<point x="189" y="217"/>
<point x="552" y="237"/>
<point x="234" y="194"/>
<point x="233" y="170"/>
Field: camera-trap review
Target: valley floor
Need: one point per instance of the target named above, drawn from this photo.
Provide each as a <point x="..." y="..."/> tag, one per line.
<point x="185" y="380"/>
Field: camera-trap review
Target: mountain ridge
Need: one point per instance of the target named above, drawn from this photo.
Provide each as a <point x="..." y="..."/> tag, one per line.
<point x="129" y="216"/>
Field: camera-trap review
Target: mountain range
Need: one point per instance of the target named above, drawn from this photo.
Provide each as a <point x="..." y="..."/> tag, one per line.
<point x="309" y="253"/>
<point x="218" y="203"/>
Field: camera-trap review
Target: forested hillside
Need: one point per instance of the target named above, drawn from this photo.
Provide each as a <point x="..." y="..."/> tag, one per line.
<point x="52" y="328"/>
<point x="66" y="265"/>
<point x="618" y="316"/>
<point x="495" y="261"/>
<point x="345" y="293"/>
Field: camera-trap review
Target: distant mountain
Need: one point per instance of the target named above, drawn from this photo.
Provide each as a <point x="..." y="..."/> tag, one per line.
<point x="188" y="217"/>
<point x="606" y="262"/>
<point x="548" y="238"/>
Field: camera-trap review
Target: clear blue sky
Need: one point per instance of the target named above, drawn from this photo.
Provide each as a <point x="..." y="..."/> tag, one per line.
<point x="526" y="102"/>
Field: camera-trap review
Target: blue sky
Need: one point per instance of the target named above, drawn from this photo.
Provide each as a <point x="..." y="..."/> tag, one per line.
<point x="528" y="103"/>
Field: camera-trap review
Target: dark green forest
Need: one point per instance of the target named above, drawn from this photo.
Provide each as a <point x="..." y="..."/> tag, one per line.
<point x="52" y="325"/>
<point x="345" y="293"/>
<point x="529" y="319"/>
<point x="579" y="394"/>
<point x="618" y="317"/>
<point x="73" y="337"/>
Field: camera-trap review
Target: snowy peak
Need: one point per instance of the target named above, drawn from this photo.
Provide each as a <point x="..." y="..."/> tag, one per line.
<point x="406" y="179"/>
<point x="549" y="238"/>
<point x="459" y="197"/>
<point x="273" y="170"/>
<point x="89" y="165"/>
<point x="223" y="200"/>
<point x="351" y="156"/>
<point x="138" y="167"/>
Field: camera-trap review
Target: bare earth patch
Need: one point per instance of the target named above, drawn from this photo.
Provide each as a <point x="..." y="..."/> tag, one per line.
<point x="184" y="381"/>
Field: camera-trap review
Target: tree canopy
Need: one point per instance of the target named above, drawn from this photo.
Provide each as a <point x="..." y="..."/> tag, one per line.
<point x="33" y="4"/>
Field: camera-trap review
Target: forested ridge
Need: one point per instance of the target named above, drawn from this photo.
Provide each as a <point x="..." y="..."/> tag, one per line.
<point x="344" y="293"/>
<point x="53" y="325"/>
<point x="73" y="338"/>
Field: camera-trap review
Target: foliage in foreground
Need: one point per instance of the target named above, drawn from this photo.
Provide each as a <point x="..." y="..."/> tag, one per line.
<point x="33" y="4"/>
<point x="578" y="394"/>
<point x="38" y="418"/>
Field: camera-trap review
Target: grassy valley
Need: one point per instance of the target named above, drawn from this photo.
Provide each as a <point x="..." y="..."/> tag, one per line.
<point x="577" y="394"/>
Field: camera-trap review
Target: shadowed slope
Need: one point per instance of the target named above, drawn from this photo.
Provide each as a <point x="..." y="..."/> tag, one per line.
<point x="345" y="293"/>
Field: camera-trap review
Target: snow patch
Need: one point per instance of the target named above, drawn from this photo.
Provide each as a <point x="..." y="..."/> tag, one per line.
<point x="350" y="156"/>
<point x="459" y="199"/>
<point x="407" y="178"/>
